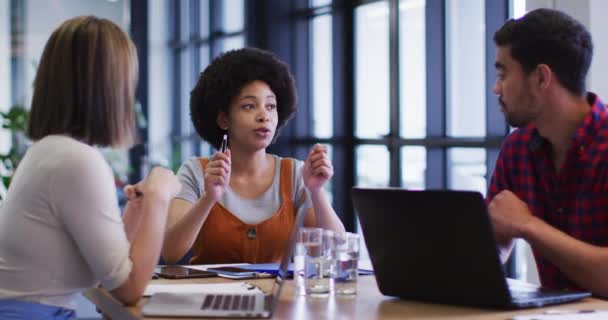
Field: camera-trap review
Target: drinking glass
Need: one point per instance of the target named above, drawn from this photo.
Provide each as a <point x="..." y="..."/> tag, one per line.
<point x="308" y="263"/>
<point x="346" y="257"/>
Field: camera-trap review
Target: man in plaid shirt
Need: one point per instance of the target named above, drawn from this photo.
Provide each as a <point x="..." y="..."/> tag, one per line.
<point x="550" y="184"/>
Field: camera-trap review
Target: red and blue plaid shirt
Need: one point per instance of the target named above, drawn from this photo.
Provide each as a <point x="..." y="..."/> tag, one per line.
<point x="575" y="200"/>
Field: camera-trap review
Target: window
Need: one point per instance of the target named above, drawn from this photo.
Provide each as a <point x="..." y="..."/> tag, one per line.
<point x="25" y="27"/>
<point x="412" y="72"/>
<point x="372" y="70"/>
<point x="198" y="32"/>
<point x="322" y="66"/>
<point x="401" y="91"/>
<point x="466" y="87"/>
<point x="414" y="163"/>
<point x="5" y="64"/>
<point x="467" y="169"/>
<point x="465" y="28"/>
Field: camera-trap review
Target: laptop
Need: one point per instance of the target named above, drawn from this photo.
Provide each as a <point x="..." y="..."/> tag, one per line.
<point x="202" y="305"/>
<point x="439" y="246"/>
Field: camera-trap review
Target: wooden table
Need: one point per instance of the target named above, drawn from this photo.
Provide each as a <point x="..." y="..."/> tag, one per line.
<point x="369" y="303"/>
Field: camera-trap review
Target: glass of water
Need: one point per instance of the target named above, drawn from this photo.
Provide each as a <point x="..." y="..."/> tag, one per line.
<point x="308" y="262"/>
<point x="328" y="263"/>
<point x="346" y="258"/>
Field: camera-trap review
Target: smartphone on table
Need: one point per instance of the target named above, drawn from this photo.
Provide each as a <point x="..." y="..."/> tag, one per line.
<point x="180" y="272"/>
<point x="234" y="272"/>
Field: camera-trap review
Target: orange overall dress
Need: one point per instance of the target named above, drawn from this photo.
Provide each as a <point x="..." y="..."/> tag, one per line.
<point x="224" y="238"/>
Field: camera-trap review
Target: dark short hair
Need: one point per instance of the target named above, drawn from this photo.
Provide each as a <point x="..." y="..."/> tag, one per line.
<point x="223" y="80"/>
<point x="85" y="84"/>
<point x="550" y="37"/>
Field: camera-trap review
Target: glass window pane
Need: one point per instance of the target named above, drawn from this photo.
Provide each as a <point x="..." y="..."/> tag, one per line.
<point x="372" y="171"/>
<point x="204" y="18"/>
<point x="467" y="169"/>
<point x="371" y="70"/>
<point x="319" y="3"/>
<point x="5" y="83"/>
<point x="206" y="149"/>
<point x="184" y="21"/>
<point x="204" y="58"/>
<point x="161" y="96"/>
<point x="412" y="62"/>
<point x="35" y="21"/>
<point x="231" y="43"/>
<point x="233" y="17"/>
<point x="518" y="8"/>
<point x="372" y="166"/>
<point x="5" y="58"/>
<point x="186" y="86"/>
<point x="322" y="89"/>
<point x="413" y="165"/>
<point x="466" y="86"/>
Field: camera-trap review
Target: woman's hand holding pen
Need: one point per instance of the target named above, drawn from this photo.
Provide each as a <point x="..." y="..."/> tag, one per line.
<point x="133" y="191"/>
<point x="158" y="188"/>
<point x="161" y="182"/>
<point x="217" y="175"/>
<point x="317" y="168"/>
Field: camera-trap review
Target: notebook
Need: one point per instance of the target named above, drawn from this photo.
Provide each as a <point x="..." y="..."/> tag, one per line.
<point x="221" y="304"/>
<point x="439" y="246"/>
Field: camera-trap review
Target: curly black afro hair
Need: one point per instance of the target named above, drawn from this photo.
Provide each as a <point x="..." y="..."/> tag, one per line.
<point x="223" y="80"/>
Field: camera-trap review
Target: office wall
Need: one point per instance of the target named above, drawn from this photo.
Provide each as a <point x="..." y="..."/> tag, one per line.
<point x="599" y="67"/>
<point x="592" y="13"/>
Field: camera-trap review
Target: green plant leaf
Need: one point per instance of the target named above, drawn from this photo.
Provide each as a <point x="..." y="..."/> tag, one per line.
<point x="6" y="181"/>
<point x="14" y="120"/>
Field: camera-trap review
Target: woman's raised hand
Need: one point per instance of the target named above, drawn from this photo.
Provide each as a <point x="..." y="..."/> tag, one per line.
<point x="217" y="175"/>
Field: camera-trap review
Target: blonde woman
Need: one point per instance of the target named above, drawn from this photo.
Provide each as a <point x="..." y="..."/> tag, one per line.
<point x="60" y="226"/>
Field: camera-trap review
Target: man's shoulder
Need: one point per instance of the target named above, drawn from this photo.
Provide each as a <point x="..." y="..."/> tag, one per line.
<point x="520" y="137"/>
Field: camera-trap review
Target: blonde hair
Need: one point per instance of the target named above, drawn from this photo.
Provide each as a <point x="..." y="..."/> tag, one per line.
<point x="85" y="84"/>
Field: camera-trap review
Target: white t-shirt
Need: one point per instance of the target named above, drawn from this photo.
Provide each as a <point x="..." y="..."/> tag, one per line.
<point x="250" y="211"/>
<point x="60" y="225"/>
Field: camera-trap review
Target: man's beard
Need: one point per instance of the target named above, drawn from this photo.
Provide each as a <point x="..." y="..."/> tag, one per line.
<point x="517" y="122"/>
<point x="521" y="119"/>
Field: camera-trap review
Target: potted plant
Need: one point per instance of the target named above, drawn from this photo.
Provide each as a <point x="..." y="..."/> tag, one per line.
<point x="14" y="121"/>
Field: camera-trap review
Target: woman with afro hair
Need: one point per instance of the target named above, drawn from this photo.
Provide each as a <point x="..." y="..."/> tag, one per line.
<point x="240" y="204"/>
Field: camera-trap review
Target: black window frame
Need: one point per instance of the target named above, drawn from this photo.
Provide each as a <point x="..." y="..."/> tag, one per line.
<point x="192" y="42"/>
<point x="293" y="45"/>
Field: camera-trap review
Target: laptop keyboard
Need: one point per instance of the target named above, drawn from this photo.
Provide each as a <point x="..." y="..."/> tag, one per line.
<point x="228" y="302"/>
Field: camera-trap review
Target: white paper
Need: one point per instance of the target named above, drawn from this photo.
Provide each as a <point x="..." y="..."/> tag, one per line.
<point x="566" y="315"/>
<point x="231" y="288"/>
<point x="365" y="264"/>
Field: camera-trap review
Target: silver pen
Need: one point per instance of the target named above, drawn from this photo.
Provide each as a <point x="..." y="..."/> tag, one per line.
<point x="224" y="144"/>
